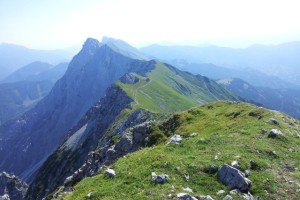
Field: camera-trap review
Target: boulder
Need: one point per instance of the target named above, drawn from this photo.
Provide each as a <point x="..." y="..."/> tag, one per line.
<point x="110" y="173"/>
<point x="275" y="133"/>
<point x="175" y="139"/>
<point x="234" y="178"/>
<point x="185" y="196"/>
<point x="161" y="179"/>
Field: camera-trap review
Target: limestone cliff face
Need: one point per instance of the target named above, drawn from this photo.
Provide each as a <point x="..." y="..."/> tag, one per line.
<point x="11" y="187"/>
<point x="39" y="131"/>
<point x="82" y="139"/>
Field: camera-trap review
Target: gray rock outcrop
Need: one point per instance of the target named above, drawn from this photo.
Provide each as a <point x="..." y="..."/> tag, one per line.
<point x="129" y="79"/>
<point x="176" y="139"/>
<point x="11" y="187"/>
<point x="161" y="179"/>
<point x="233" y="178"/>
<point x="275" y="133"/>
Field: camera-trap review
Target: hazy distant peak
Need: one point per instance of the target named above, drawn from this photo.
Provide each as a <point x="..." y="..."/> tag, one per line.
<point x="106" y="40"/>
<point x="91" y="43"/>
<point x="124" y="48"/>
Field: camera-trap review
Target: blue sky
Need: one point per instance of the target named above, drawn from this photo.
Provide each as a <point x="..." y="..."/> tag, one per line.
<point x="50" y="24"/>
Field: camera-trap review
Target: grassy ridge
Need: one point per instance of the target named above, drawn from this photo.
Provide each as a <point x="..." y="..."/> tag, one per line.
<point x="166" y="89"/>
<point x="225" y="132"/>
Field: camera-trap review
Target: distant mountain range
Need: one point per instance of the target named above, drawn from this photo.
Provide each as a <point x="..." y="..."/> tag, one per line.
<point x="13" y="57"/>
<point x="286" y="100"/>
<point x="276" y="60"/>
<point x="250" y="75"/>
<point x="37" y="71"/>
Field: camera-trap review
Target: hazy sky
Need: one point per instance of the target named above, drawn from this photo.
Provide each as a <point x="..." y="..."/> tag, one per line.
<point x="52" y="24"/>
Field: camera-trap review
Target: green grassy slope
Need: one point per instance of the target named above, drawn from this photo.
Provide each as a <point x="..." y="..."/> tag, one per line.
<point x="225" y="132"/>
<point x="167" y="89"/>
<point x="163" y="90"/>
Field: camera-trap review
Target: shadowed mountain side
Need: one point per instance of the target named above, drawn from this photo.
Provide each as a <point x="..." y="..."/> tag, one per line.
<point x="17" y="98"/>
<point x="38" y="132"/>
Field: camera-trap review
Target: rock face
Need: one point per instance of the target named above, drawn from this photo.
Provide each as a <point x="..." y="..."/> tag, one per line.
<point x="11" y="187"/>
<point x="39" y="131"/>
<point x="129" y="79"/>
<point x="72" y="159"/>
<point x="233" y="178"/>
<point x="71" y="164"/>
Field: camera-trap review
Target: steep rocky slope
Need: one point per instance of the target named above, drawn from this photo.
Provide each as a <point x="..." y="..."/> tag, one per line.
<point x="262" y="146"/>
<point x="38" y="132"/>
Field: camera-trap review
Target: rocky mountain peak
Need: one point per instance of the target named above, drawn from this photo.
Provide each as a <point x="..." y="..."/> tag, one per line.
<point x="90" y="46"/>
<point x="91" y="43"/>
<point x="88" y="76"/>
